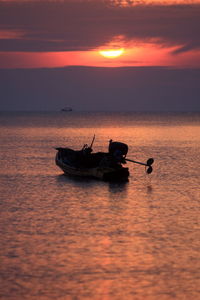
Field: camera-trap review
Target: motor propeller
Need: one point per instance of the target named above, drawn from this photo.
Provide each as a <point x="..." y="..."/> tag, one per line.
<point x="148" y="164"/>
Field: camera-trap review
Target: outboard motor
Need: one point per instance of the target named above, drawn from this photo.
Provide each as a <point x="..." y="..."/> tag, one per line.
<point x="118" y="150"/>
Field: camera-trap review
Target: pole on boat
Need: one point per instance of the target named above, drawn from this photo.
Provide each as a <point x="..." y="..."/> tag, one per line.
<point x="148" y="164"/>
<point x="92" y="141"/>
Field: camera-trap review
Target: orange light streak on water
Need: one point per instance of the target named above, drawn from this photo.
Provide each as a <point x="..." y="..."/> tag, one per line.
<point x="82" y="238"/>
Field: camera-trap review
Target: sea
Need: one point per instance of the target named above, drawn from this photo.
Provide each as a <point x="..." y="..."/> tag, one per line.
<point x="79" y="238"/>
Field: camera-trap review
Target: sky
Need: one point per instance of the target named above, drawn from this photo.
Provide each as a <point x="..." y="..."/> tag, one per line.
<point x="100" y="55"/>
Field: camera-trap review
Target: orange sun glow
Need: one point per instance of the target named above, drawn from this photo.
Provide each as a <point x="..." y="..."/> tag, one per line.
<point x="112" y="53"/>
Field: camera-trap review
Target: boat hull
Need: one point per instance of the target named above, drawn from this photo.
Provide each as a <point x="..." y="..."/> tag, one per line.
<point x="100" y="172"/>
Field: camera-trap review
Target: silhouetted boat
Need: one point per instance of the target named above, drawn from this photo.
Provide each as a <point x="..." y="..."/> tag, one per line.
<point x="101" y="165"/>
<point x="66" y="109"/>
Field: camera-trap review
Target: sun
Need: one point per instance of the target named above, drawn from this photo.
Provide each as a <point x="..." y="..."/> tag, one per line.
<point x="112" y="53"/>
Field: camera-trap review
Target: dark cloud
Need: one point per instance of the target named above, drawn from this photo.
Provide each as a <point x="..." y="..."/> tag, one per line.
<point x="84" y="25"/>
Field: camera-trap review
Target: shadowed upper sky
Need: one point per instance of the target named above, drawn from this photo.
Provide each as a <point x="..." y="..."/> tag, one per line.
<point x="72" y="26"/>
<point x="52" y="34"/>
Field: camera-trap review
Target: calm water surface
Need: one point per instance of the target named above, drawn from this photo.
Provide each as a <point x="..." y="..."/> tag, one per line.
<point x="65" y="238"/>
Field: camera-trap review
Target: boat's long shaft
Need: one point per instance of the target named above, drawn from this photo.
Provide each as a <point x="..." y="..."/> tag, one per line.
<point x="136" y="162"/>
<point x="147" y="164"/>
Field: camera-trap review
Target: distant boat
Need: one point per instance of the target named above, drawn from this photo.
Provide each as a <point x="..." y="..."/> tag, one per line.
<point x="66" y="109"/>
